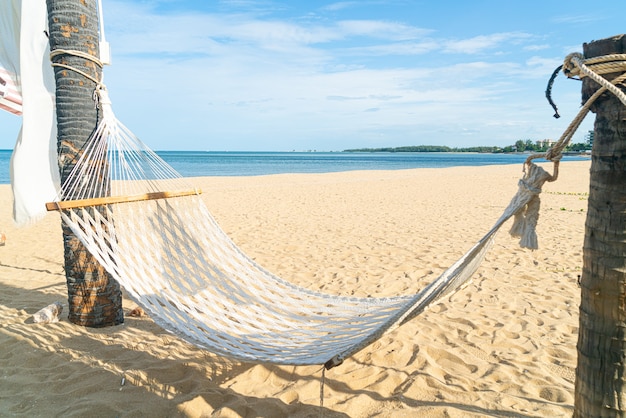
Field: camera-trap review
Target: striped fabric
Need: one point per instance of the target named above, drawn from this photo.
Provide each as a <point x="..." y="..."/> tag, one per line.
<point x="10" y="96"/>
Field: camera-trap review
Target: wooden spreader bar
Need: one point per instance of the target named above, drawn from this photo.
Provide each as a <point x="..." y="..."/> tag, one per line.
<point x="108" y="200"/>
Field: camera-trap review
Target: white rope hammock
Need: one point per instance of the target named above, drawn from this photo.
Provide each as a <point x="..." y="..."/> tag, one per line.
<point x="153" y="233"/>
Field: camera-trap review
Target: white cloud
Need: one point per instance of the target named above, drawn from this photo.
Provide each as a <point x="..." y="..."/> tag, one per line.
<point x="380" y="29"/>
<point x="341" y="5"/>
<point x="484" y="42"/>
<point x="402" y="48"/>
<point x="577" y="18"/>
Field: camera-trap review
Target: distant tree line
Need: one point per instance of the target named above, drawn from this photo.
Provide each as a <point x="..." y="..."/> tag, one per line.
<point x="519" y="146"/>
<point x="426" y="148"/>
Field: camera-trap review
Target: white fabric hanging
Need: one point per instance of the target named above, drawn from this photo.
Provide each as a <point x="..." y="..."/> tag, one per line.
<point x="10" y="93"/>
<point x="25" y="54"/>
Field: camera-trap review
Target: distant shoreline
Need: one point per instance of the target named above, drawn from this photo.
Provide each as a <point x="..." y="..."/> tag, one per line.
<point x="438" y="148"/>
<point x="570" y="153"/>
<point x="379" y="150"/>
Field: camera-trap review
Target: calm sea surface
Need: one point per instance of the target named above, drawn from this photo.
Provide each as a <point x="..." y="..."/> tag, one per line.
<point x="198" y="163"/>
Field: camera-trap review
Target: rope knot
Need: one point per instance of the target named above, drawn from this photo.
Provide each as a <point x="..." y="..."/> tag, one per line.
<point x="525" y="185"/>
<point x="525" y="220"/>
<point x="102" y="95"/>
<point x="571" y="64"/>
<point x="554" y="154"/>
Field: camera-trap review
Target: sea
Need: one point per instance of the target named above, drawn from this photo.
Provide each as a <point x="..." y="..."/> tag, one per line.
<point x="209" y="163"/>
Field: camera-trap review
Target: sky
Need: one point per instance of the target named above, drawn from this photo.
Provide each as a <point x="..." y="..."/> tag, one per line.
<point x="264" y="75"/>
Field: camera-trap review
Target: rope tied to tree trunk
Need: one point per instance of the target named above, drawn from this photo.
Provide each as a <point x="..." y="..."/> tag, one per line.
<point x="100" y="95"/>
<point x="574" y="65"/>
<point x="58" y="52"/>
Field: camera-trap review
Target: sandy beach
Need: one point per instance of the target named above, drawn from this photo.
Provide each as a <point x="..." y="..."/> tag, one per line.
<point x="504" y="346"/>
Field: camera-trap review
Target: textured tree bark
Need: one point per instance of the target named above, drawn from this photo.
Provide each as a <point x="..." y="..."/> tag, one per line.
<point x="599" y="390"/>
<point x="94" y="297"/>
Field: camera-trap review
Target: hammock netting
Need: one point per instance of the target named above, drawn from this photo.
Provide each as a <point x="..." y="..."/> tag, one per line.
<point x="154" y="234"/>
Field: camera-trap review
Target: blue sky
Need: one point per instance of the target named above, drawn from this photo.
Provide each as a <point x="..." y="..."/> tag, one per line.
<point x="327" y="76"/>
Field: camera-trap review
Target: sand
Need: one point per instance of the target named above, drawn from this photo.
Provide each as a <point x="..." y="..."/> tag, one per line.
<point x="503" y="346"/>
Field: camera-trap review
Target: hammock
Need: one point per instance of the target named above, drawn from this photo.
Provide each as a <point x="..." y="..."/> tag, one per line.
<point x="152" y="231"/>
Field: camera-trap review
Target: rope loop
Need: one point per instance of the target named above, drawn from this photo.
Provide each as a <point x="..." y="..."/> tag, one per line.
<point x="80" y="54"/>
<point x="76" y="53"/>
<point x="575" y="65"/>
<point x="99" y="93"/>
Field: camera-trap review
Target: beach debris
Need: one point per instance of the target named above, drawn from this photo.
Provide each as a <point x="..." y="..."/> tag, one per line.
<point x="48" y="314"/>
<point x="137" y="312"/>
<point x="3" y="239"/>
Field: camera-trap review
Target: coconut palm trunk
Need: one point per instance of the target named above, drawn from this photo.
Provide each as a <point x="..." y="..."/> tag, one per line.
<point x="600" y="385"/>
<point x="94" y="296"/>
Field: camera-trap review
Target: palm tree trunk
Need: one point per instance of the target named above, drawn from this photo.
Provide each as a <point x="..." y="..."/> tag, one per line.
<point x="600" y="388"/>
<point x="95" y="298"/>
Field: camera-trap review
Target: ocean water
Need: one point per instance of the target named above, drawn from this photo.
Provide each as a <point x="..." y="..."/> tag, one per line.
<point x="199" y="163"/>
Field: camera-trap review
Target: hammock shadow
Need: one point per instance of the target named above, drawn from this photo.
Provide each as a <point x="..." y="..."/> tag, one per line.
<point x="399" y="396"/>
<point x="32" y="269"/>
<point x="163" y="376"/>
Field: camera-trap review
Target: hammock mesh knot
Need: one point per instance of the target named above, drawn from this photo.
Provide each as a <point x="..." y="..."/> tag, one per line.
<point x="525" y="219"/>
